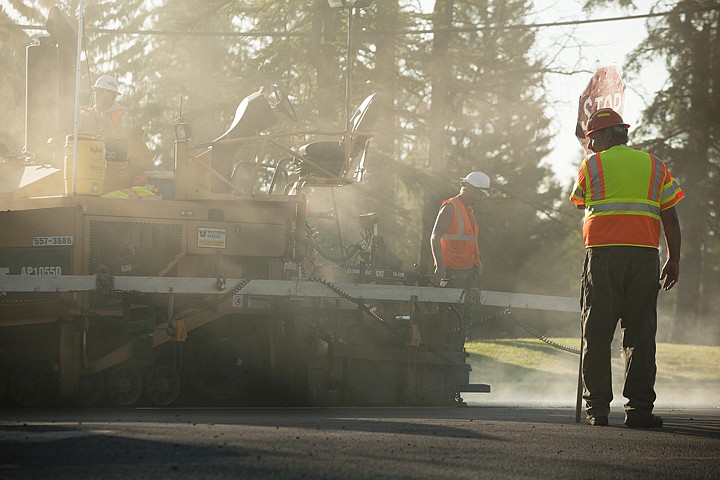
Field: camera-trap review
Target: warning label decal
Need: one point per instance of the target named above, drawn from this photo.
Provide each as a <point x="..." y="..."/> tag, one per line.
<point x="212" y="237"/>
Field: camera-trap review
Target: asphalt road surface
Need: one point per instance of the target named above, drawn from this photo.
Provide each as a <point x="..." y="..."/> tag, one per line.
<point x="476" y="442"/>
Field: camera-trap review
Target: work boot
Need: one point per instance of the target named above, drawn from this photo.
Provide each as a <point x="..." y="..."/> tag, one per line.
<point x="597" y="421"/>
<point x="644" y="421"/>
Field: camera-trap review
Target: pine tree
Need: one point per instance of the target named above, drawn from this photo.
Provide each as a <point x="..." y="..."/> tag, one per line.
<point x="685" y="115"/>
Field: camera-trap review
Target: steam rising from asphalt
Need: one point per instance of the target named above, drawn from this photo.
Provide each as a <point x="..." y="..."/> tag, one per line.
<point x="513" y="386"/>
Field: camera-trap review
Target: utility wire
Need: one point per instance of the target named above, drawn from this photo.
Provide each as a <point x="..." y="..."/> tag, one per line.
<point x="422" y="31"/>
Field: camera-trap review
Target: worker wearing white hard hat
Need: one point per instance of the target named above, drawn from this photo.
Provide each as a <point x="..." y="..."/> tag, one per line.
<point x="106" y="82"/>
<point x="477" y="180"/>
<point x="106" y="113"/>
<point x="455" y="234"/>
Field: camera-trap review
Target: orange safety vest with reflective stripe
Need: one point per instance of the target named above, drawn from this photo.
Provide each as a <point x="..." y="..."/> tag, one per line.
<point x="459" y="242"/>
<point x="623" y="191"/>
<point x="115" y="115"/>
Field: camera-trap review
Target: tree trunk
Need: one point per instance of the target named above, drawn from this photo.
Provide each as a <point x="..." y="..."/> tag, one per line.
<point x="688" y="324"/>
<point x="383" y="164"/>
<point x="327" y="66"/>
<point x="440" y="77"/>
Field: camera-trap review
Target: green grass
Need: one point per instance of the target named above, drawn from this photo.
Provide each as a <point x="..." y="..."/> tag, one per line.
<point x="527" y="369"/>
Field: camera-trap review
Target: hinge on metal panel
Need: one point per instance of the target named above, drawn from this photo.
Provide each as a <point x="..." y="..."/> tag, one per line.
<point x="104" y="283"/>
<point x="472" y="296"/>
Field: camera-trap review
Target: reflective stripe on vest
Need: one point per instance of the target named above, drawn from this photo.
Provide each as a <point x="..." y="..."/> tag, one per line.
<point x="671" y="191"/>
<point x="460" y="219"/>
<point x="116" y="116"/>
<point x="598" y="203"/>
<point x="624" y="207"/>
<point x="596" y="179"/>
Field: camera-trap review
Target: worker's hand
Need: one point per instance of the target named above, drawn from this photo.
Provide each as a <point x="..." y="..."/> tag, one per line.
<point x="439" y="274"/>
<point x="669" y="275"/>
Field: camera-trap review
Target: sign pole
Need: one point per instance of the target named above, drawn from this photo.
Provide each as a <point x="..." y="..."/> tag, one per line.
<point x="578" y="403"/>
<point x="76" y="126"/>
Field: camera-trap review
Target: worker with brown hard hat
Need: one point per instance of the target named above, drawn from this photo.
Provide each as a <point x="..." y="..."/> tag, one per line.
<point x="454" y="236"/>
<point x="627" y="195"/>
<point x="106" y="113"/>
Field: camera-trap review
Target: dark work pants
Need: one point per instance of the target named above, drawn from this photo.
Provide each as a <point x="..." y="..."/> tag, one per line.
<point x="619" y="283"/>
<point x="462" y="278"/>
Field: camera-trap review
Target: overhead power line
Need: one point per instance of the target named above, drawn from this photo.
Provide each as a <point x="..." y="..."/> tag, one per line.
<point x="420" y="31"/>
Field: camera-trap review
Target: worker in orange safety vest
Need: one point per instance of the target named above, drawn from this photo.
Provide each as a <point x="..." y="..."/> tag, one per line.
<point x="627" y="196"/>
<point x="106" y="113"/>
<point x="454" y="237"/>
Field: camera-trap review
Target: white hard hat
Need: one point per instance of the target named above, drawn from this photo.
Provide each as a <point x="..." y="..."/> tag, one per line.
<point x="106" y="82"/>
<point x="477" y="179"/>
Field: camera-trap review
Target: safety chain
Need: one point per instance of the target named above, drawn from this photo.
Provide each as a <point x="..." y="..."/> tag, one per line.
<point x="482" y="321"/>
<point x="543" y="338"/>
<point x="212" y="304"/>
<point x="507" y="313"/>
<point x="91" y="313"/>
<point x="358" y="301"/>
<point x="73" y="304"/>
<point x="185" y="314"/>
<point x="23" y="301"/>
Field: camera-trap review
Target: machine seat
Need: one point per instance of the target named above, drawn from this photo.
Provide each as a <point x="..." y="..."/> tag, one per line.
<point x="328" y="155"/>
<point x="331" y="155"/>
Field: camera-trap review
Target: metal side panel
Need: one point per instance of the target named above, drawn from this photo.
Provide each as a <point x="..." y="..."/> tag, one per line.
<point x="38" y="229"/>
<point x="291" y="289"/>
<point x="130" y="247"/>
<point x="47" y="283"/>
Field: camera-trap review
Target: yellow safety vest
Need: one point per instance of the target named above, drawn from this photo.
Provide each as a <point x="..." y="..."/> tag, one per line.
<point x="134" y="193"/>
<point x="623" y="191"/>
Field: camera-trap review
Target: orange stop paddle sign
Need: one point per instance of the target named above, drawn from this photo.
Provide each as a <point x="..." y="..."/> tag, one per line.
<point x="606" y="89"/>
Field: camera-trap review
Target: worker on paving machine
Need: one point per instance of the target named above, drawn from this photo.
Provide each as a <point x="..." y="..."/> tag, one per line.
<point x="106" y="113"/>
<point x="454" y="236"/>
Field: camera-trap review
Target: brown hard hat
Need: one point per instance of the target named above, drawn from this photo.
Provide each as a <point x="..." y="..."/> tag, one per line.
<point x="604" y="118"/>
